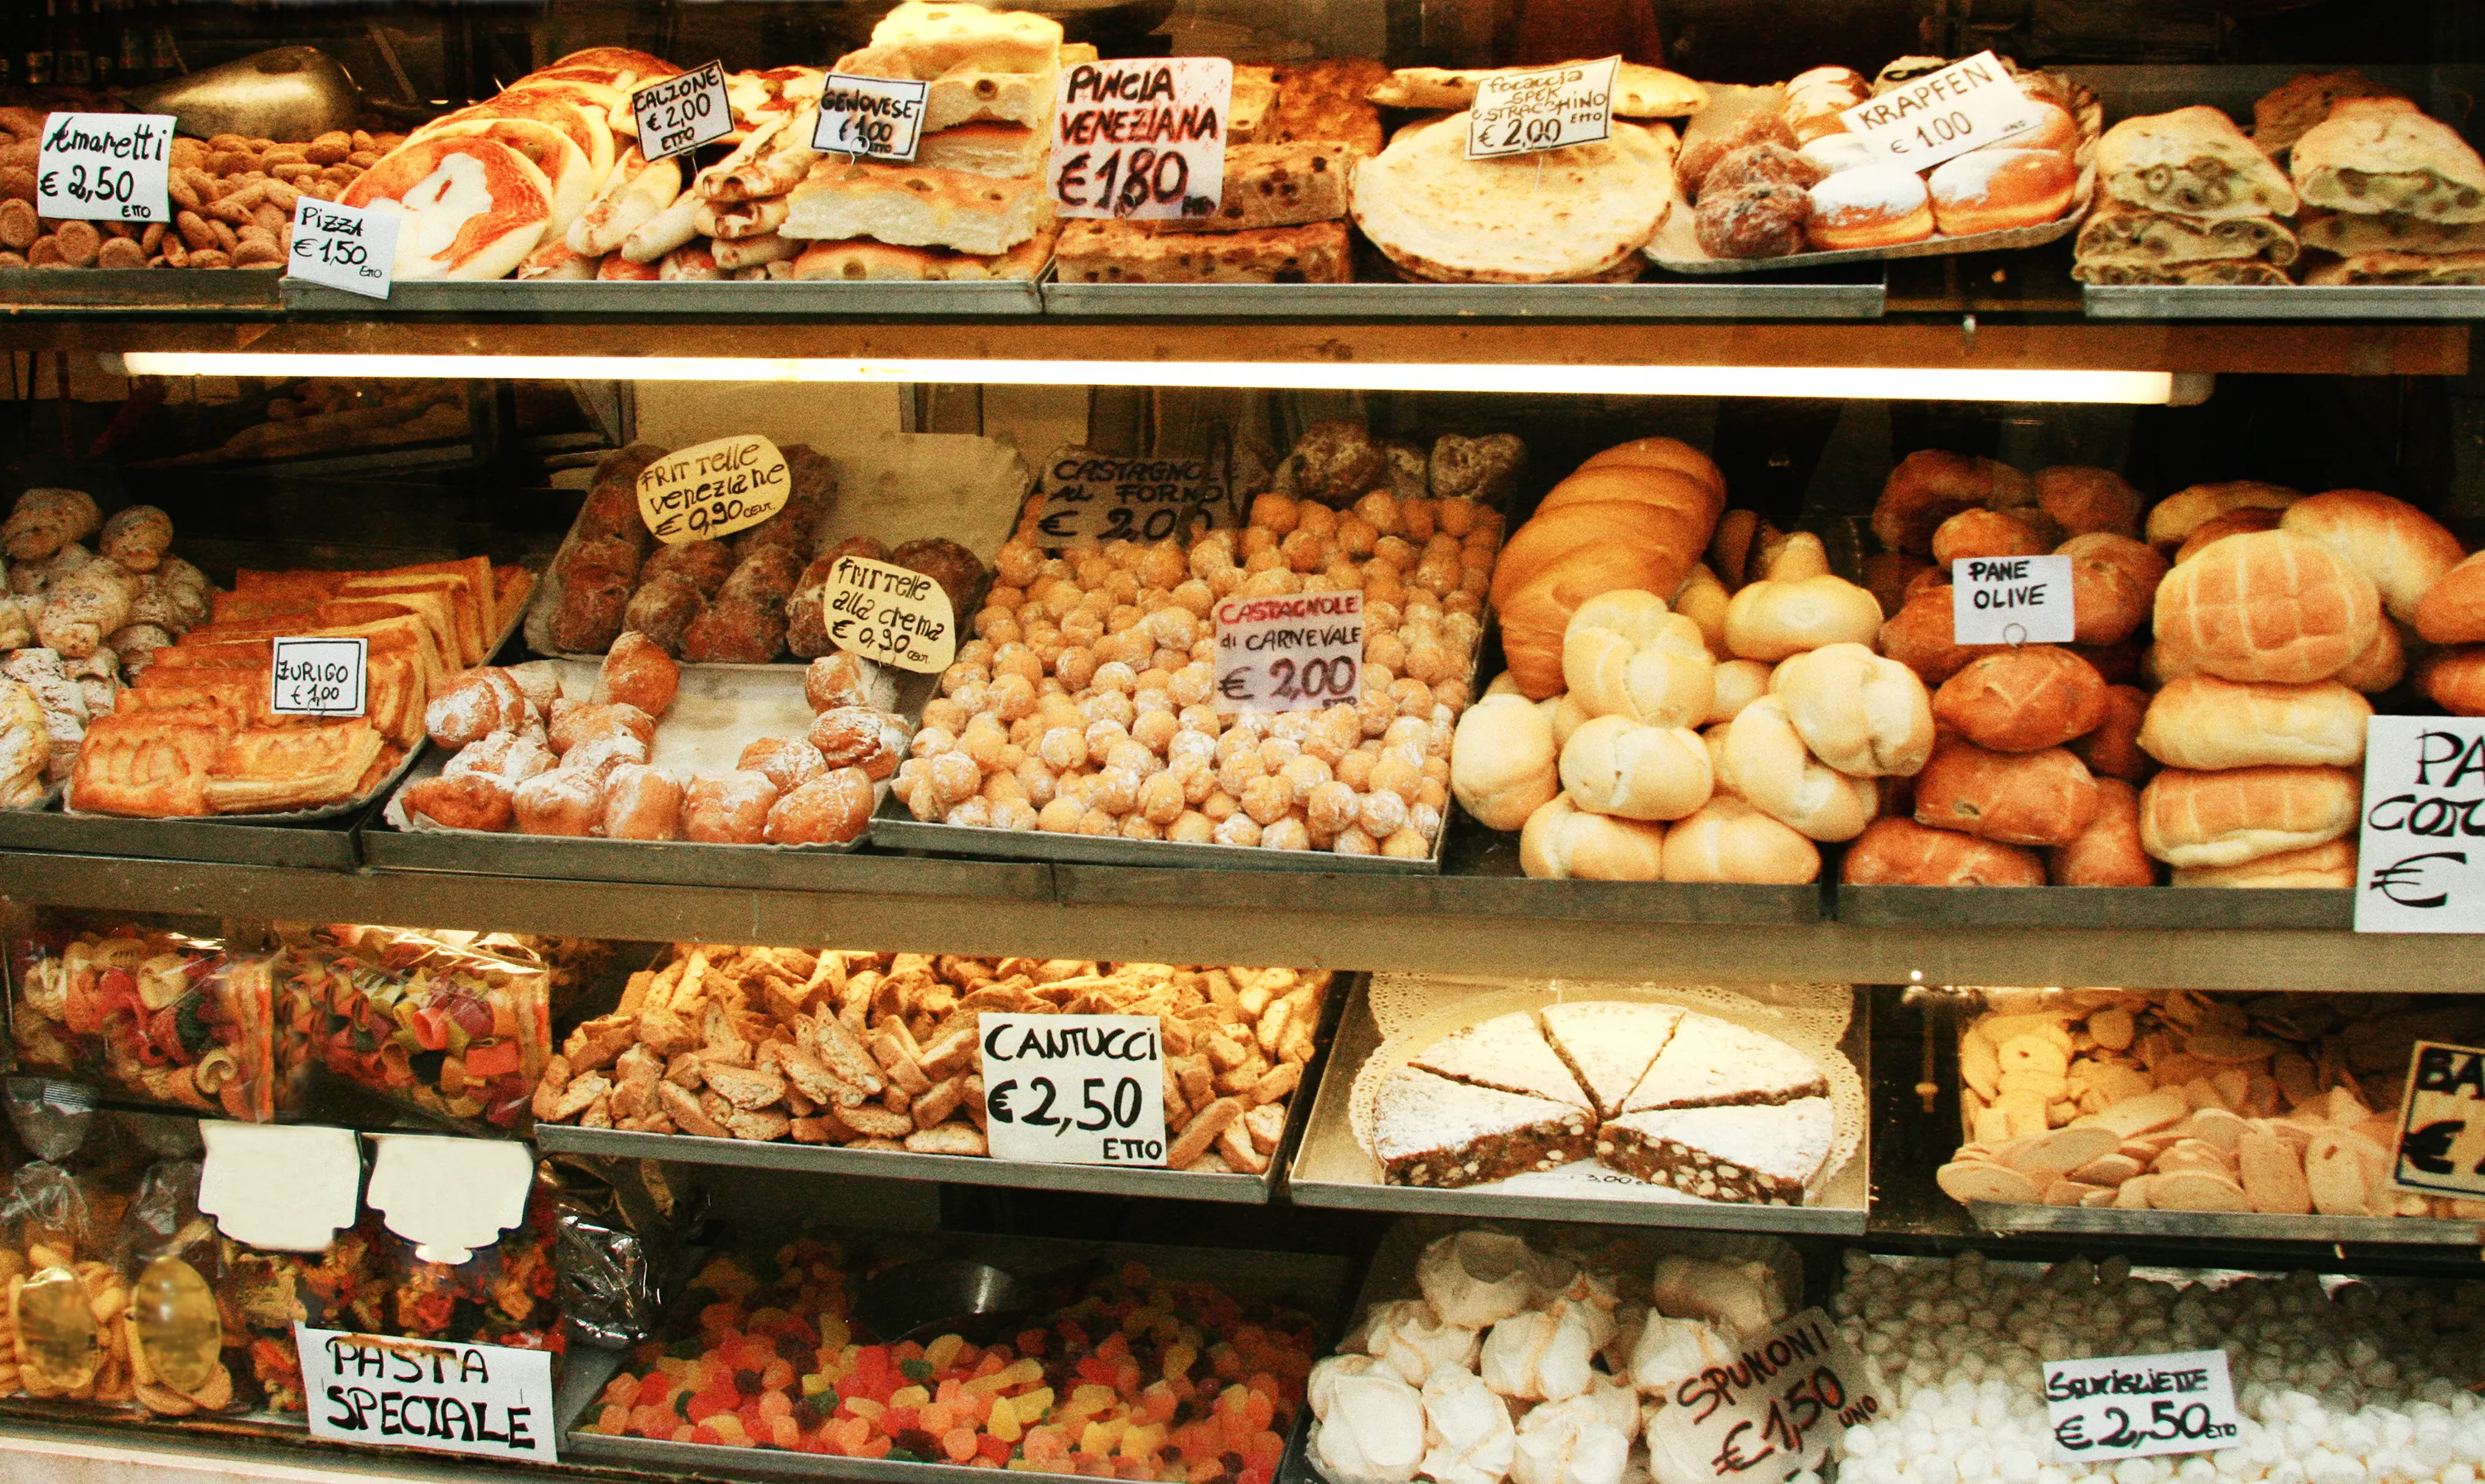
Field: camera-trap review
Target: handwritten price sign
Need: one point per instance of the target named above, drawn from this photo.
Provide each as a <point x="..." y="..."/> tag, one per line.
<point x="1550" y="108"/>
<point x="1074" y="1090"/>
<point x="104" y="167"/>
<point x="2422" y="847"/>
<point x="1091" y="497"/>
<point x="1297" y="653"/>
<point x="1782" y="1407"/>
<point x="344" y="247"/>
<point x="683" y="112"/>
<point x="2137" y="1406"/>
<point x="409" y="1393"/>
<point x="2442" y="1122"/>
<point x="1964" y="106"/>
<point x="2011" y="599"/>
<point x="319" y="677"/>
<point x="1143" y="139"/>
<point x="714" y="488"/>
<point x="889" y="615"/>
<point x="875" y="117"/>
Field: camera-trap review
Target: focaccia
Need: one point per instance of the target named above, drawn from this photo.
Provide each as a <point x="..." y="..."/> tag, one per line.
<point x="2193" y="161"/>
<point x="2121" y="232"/>
<point x="864" y="261"/>
<point x="987" y="147"/>
<point x="1108" y="252"/>
<point x="907" y="206"/>
<point x="1276" y="185"/>
<point x="2401" y="268"/>
<point x="2381" y="154"/>
<point x="2349" y="233"/>
<point x="1639" y="91"/>
<point x="937" y="37"/>
<point x="1325" y="100"/>
<point x="2247" y="271"/>
<point x="965" y="94"/>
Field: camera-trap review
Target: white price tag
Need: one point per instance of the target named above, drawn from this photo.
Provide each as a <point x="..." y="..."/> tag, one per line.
<point x="2011" y="599"/>
<point x="450" y="1195"/>
<point x="287" y="1187"/>
<point x="1143" y="139"/>
<point x="1783" y="1408"/>
<point x="344" y="247"/>
<point x="104" y="167"/>
<point x="683" y="112"/>
<point x="1292" y="653"/>
<point x="1074" y="1089"/>
<point x="2442" y="1122"/>
<point x="1091" y="497"/>
<point x="877" y="118"/>
<point x="319" y="677"/>
<point x="2418" y="853"/>
<point x="420" y="1393"/>
<point x="2137" y="1406"/>
<point x="889" y="615"/>
<point x="1549" y="108"/>
<point x="1964" y="106"/>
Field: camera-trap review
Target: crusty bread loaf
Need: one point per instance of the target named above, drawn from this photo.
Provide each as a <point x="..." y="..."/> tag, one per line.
<point x="1763" y="759"/>
<point x="2218" y="527"/>
<point x="1727" y="840"/>
<point x="2384" y="154"/>
<point x="2044" y="798"/>
<point x="2455" y="680"/>
<point x="1612" y="766"/>
<point x="2083" y="499"/>
<point x="1983" y="532"/>
<point x="1118" y="252"/>
<point x="2113" y="586"/>
<point x="2108" y="852"/>
<point x="1503" y="761"/>
<point x="2452" y="612"/>
<point x="1563" y="842"/>
<point x="907" y="206"/>
<point x="1863" y="715"/>
<point x="1930" y="485"/>
<point x="2118" y="234"/>
<point x="1901" y="853"/>
<point x="2315" y="867"/>
<point x="2288" y="112"/>
<point x="2403" y="549"/>
<point x="1663" y="453"/>
<point x="2203" y="723"/>
<point x="2022" y="700"/>
<point x="2193" y="161"/>
<point x="2268" y="606"/>
<point x="2111" y="748"/>
<point x="1920" y="636"/>
<point x="1536" y="612"/>
<point x="2185" y="510"/>
<point x="2226" y="818"/>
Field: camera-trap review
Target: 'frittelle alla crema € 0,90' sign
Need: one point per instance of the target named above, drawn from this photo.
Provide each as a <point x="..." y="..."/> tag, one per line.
<point x="889" y="615"/>
<point x="1288" y="652"/>
<point x="1074" y="1089"/>
<point x="1143" y="138"/>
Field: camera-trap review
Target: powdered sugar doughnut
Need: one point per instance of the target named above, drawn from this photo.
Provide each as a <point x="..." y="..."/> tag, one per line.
<point x="1877" y="205"/>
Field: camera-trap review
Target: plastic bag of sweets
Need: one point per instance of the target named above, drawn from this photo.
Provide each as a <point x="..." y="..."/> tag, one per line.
<point x="178" y="1339"/>
<point x="505" y="1294"/>
<point x="622" y="1228"/>
<point x="458" y="1032"/>
<point x="68" y="1336"/>
<point x="263" y="1294"/>
<point x="157" y="1016"/>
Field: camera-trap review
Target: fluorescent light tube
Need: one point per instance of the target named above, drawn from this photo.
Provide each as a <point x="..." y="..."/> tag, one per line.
<point x="1894" y="383"/>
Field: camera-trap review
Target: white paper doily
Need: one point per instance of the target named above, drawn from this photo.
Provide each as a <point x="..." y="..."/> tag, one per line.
<point x="1414" y="1011"/>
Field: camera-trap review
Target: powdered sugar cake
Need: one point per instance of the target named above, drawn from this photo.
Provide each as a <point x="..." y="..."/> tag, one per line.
<point x="1429" y="1130"/>
<point x="1765" y="1155"/>
<point x="1608" y="1045"/>
<point x="1712" y="1062"/>
<point x="1507" y="1052"/>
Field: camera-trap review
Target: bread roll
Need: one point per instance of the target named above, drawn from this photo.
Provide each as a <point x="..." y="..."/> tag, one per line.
<point x="1702" y="599"/>
<point x="2201" y="722"/>
<point x="1535" y="614"/>
<point x="2315" y="867"/>
<point x="2269" y="605"/>
<point x="2452" y="612"/>
<point x="1919" y="636"/>
<point x="2083" y="500"/>
<point x="2223" y="819"/>
<point x="2184" y="511"/>
<point x="2022" y="700"/>
<point x="1981" y="532"/>
<point x="1763" y="759"/>
<point x="2041" y="797"/>
<point x="1727" y="840"/>
<point x="1901" y="853"/>
<point x="1566" y="715"/>
<point x="1663" y="453"/>
<point x="1612" y="766"/>
<point x="1623" y="655"/>
<point x="2404" y="550"/>
<point x="1930" y="485"/>
<point x="2381" y="666"/>
<point x="2113" y="586"/>
<point x="1661" y="487"/>
<point x="1891" y="577"/>
<point x="1863" y="715"/>
<point x="1502" y="761"/>
<point x="1738" y="683"/>
<point x="2218" y="527"/>
<point x="1561" y="842"/>
<point x="2455" y="680"/>
<point x="2108" y="852"/>
<point x="1997" y="188"/>
<point x="2111" y="748"/>
<point x="1771" y="619"/>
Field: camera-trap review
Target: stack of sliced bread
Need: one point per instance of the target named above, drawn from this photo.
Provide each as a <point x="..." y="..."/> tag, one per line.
<point x="1293" y="136"/>
<point x="973" y="204"/>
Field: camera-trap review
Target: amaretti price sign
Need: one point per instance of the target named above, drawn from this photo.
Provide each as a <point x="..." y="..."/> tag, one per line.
<point x="2421" y="850"/>
<point x="1074" y="1090"/>
<point x="1288" y="652"/>
<point x="1091" y="498"/>
<point x="412" y="1394"/>
<point x="2137" y="1406"/>
<point x="1142" y="138"/>
<point x="714" y="488"/>
<point x="104" y="167"/>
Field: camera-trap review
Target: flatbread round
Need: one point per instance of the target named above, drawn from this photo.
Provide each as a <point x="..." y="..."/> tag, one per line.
<point x="1553" y="217"/>
<point x="470" y="207"/>
<point x="568" y="171"/>
<point x="1639" y="91"/>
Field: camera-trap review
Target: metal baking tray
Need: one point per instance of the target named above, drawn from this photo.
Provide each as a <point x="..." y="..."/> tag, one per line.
<point x="1233" y="1188"/>
<point x="690" y="299"/>
<point x="896" y="827"/>
<point x="156" y="290"/>
<point x="318" y="838"/>
<point x="1833" y="296"/>
<point x="1331" y="1169"/>
<point x="2097" y="906"/>
<point x="1452" y="893"/>
<point x="2012" y="1218"/>
<point x="1318" y="1284"/>
<point x="2301" y="301"/>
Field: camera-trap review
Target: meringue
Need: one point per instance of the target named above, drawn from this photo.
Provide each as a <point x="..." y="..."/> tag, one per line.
<point x="1572" y="1442"/>
<point x="1320" y="1389"/>
<point x="1473" y="1279"/>
<point x="1467" y="1436"/>
<point x="1373" y="1430"/>
<point x="1743" y="1296"/>
<point x="1542" y="1356"/>
<point x="1673" y="1351"/>
<point x="1410" y="1338"/>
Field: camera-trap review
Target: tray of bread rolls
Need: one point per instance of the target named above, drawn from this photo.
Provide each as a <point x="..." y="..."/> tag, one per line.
<point x="1711" y="1106"/>
<point x="1769" y="179"/>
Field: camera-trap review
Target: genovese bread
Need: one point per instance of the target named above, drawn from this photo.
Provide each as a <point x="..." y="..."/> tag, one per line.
<point x="909" y="207"/>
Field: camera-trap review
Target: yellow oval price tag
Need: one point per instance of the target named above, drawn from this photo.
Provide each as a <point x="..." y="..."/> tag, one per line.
<point x="889" y="613"/>
<point x="711" y="489"/>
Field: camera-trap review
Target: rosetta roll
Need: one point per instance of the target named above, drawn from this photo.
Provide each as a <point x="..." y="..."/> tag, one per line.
<point x="2109" y="852"/>
<point x="1636" y="516"/>
<point x="1901" y="853"/>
